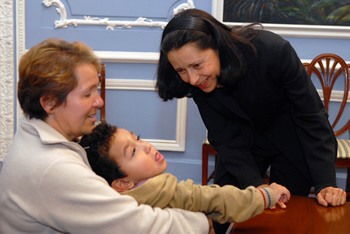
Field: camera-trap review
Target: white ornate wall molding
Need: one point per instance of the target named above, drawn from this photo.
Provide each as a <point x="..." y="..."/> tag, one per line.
<point x="183" y="6"/>
<point x="111" y="24"/>
<point x="6" y="76"/>
<point x="149" y="85"/>
<point x="152" y="57"/>
<point x="128" y="57"/>
<point x="20" y="46"/>
<point x="133" y="57"/>
<point x="290" y="30"/>
<point x="121" y="57"/>
<point x="181" y="114"/>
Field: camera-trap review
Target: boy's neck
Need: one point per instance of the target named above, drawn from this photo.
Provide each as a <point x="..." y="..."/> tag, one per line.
<point x="143" y="181"/>
<point x="140" y="183"/>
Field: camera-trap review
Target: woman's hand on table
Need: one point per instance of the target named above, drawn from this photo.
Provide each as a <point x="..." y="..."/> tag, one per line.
<point x="331" y="196"/>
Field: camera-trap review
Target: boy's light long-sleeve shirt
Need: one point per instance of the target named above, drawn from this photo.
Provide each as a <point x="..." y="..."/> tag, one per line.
<point x="221" y="204"/>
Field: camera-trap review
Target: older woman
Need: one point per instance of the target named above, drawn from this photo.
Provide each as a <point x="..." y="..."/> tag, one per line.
<point x="47" y="185"/>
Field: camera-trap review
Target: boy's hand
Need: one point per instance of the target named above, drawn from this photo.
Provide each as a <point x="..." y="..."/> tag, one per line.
<point x="282" y="194"/>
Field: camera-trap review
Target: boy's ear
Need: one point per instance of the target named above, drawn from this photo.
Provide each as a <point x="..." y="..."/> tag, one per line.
<point x="121" y="185"/>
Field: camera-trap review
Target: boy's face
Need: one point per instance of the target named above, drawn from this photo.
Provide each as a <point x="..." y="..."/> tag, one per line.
<point x="138" y="159"/>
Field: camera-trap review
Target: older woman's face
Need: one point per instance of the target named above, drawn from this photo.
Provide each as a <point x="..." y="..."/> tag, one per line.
<point x="76" y="116"/>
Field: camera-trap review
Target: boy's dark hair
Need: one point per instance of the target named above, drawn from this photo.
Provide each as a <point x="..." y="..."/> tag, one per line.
<point x="97" y="145"/>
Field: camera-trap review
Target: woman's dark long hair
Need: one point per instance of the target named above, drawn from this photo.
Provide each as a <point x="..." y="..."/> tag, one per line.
<point x="197" y="26"/>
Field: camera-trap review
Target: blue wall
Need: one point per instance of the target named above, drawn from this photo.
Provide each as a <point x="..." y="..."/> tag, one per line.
<point x="142" y="111"/>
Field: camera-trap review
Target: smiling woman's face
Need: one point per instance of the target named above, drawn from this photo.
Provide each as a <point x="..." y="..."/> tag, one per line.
<point x="197" y="67"/>
<point x="76" y="116"/>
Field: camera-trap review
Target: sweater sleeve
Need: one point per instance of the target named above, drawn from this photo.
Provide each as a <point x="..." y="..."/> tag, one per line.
<point x="221" y="204"/>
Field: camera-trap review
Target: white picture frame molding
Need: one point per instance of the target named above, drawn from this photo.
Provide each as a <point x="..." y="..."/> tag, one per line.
<point x="20" y="49"/>
<point x="181" y="112"/>
<point x="6" y="76"/>
<point x="290" y="30"/>
<point x="147" y="85"/>
<point x="132" y="57"/>
<point x="64" y="22"/>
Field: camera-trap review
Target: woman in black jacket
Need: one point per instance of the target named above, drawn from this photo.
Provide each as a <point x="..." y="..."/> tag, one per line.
<point x="257" y="102"/>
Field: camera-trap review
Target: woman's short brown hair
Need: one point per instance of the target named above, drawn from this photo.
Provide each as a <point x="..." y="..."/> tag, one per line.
<point x="48" y="70"/>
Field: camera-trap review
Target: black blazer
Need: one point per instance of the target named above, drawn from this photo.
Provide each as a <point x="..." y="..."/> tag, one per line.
<point x="277" y="99"/>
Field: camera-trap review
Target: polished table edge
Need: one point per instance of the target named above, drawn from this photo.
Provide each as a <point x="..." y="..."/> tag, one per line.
<point x="302" y="215"/>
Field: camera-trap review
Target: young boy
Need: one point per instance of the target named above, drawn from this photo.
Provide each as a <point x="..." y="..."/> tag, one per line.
<point x="134" y="167"/>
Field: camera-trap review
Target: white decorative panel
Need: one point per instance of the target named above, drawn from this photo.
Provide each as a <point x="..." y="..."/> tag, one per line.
<point x="64" y="22"/>
<point x="20" y="45"/>
<point x="181" y="117"/>
<point x="121" y="57"/>
<point x="6" y="76"/>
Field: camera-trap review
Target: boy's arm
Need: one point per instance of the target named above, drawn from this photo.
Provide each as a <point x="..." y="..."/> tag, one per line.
<point x="222" y="204"/>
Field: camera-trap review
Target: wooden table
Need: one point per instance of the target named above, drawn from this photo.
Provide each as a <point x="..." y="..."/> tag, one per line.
<point x="303" y="215"/>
